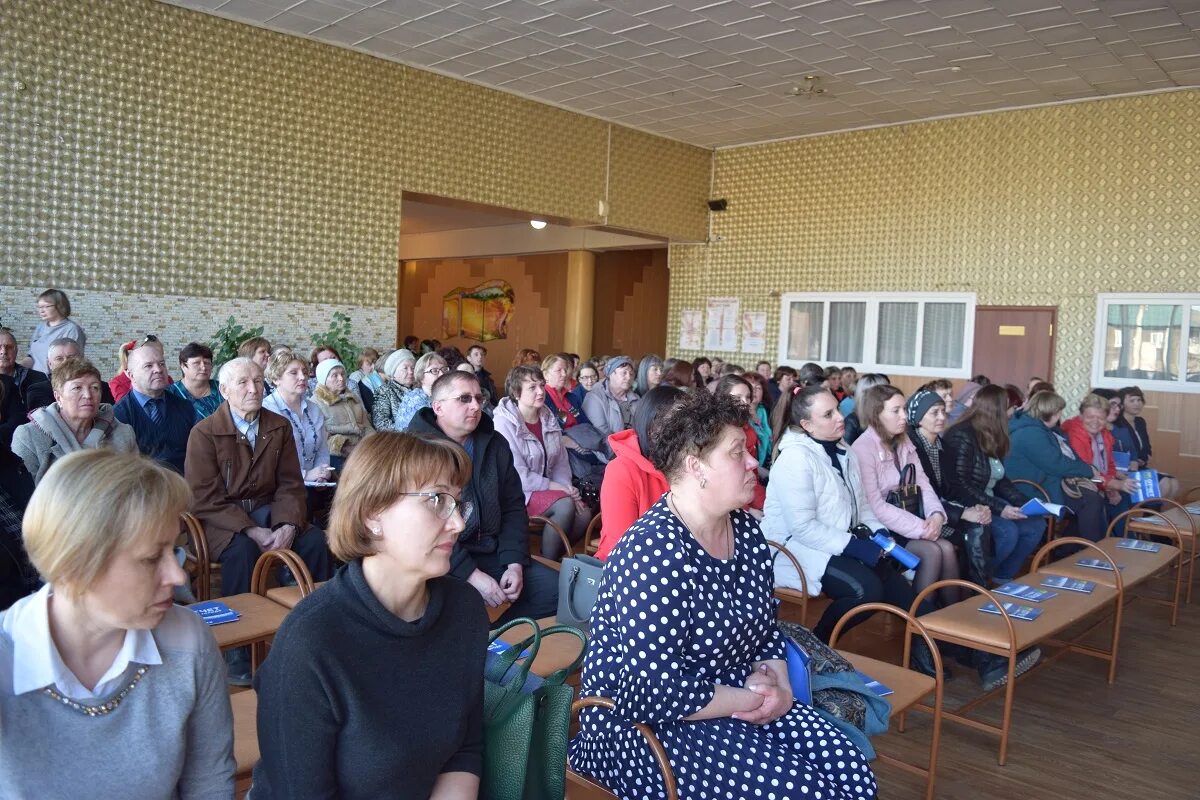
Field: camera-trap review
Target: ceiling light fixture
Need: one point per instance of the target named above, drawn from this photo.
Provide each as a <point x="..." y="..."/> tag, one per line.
<point x="537" y="224"/>
<point x="808" y="88"/>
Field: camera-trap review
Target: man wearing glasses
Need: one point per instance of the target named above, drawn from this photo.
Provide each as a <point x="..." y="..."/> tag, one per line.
<point x="492" y="552"/>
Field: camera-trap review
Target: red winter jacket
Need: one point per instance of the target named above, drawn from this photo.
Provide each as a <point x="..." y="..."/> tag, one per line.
<point x="631" y="485"/>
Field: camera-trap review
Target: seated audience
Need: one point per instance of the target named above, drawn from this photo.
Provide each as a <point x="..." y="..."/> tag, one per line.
<point x="703" y="372"/>
<point x="346" y="421"/>
<point x="365" y="381"/>
<point x="372" y="688"/>
<point x="110" y="689"/>
<point x="587" y="376"/>
<point x="944" y="390"/>
<point x="815" y="500"/>
<point x="289" y="374"/>
<point x="973" y="456"/>
<point x="539" y="452"/>
<point x="54" y="309"/>
<point x="1038" y="453"/>
<point x="119" y="384"/>
<point x="247" y="490"/>
<point x="702" y="661"/>
<point x="17" y="577"/>
<point x="477" y="356"/>
<point x="739" y="389"/>
<point x="412" y="344"/>
<point x="527" y="356"/>
<point x="76" y="420"/>
<point x="963" y="399"/>
<point x="781" y="383"/>
<point x="610" y="403"/>
<point x="161" y="420"/>
<point x="833" y="379"/>
<point x="428" y="369"/>
<point x="649" y="374"/>
<point x="632" y="484"/>
<point x="763" y="368"/>
<point x="760" y="420"/>
<point x="398" y="369"/>
<point x="32" y="388"/>
<point x="493" y="553"/>
<point x="853" y="426"/>
<point x="559" y="399"/>
<point x="1016" y="399"/>
<point x="257" y="349"/>
<point x="925" y="413"/>
<point x="1130" y="428"/>
<point x="62" y="349"/>
<point x="321" y="352"/>
<point x="1089" y="437"/>
<point x="849" y="379"/>
<point x="882" y="452"/>
<point x="198" y="386"/>
<point x="678" y="373"/>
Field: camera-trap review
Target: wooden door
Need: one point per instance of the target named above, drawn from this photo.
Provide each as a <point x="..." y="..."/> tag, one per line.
<point x="1013" y="343"/>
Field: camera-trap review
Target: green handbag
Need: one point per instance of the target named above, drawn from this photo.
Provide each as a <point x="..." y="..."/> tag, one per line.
<point x="526" y="732"/>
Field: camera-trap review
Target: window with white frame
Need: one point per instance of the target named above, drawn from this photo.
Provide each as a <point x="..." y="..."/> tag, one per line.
<point x="921" y="334"/>
<point x="1152" y="340"/>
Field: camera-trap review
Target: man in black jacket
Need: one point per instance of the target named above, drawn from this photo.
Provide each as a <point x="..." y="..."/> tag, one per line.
<point x="492" y="552"/>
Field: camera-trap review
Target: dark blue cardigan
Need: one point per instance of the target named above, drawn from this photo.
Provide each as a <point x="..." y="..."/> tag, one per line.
<point x="167" y="441"/>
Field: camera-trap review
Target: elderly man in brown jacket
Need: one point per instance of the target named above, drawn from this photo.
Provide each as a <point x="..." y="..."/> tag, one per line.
<point x="247" y="488"/>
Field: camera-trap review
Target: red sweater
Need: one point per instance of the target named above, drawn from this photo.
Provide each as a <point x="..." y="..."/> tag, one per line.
<point x="631" y="485"/>
<point x="1081" y="442"/>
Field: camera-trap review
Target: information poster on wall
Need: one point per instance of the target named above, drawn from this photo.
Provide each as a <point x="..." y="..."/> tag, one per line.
<point x="721" y="324"/>
<point x="754" y="332"/>
<point x="690" y="322"/>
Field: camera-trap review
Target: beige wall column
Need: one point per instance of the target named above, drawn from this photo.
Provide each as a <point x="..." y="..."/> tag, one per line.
<point x="581" y="295"/>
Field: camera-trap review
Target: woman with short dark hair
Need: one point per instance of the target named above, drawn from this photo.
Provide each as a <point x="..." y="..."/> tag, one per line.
<point x="373" y="684"/>
<point x="1130" y="428"/>
<point x="684" y="640"/>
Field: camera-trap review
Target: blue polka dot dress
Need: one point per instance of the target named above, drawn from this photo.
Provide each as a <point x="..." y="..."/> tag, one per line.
<point x="671" y="621"/>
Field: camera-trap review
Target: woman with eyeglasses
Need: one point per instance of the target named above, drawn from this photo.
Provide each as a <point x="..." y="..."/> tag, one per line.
<point x="54" y="309"/>
<point x="428" y="369"/>
<point x="540" y="457"/>
<point x="372" y="687"/>
<point x="586" y="377"/>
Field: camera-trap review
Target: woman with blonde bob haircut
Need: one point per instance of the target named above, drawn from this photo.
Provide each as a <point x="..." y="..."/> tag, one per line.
<point x="373" y="681"/>
<point x="119" y="691"/>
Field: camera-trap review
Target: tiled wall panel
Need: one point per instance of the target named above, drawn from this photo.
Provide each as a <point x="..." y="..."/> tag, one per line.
<point x="658" y="186"/>
<point x="1045" y="206"/>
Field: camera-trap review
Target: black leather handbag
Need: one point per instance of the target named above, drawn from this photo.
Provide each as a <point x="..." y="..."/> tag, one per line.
<point x="906" y="496"/>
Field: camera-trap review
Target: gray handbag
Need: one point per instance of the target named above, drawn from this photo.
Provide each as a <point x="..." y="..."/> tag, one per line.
<point x="578" y="584"/>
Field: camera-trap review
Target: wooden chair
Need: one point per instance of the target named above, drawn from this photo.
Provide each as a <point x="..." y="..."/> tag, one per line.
<point x="791" y="596"/>
<point x="245" y="739"/>
<point x="537" y="528"/>
<point x="1188" y="527"/>
<point x="580" y="787"/>
<point x="265" y="580"/>
<point x="591" y="539"/>
<point x="1042" y="494"/>
<point x="908" y="686"/>
<point x="197" y="548"/>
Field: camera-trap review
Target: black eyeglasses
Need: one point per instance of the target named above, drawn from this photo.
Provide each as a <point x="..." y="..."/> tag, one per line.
<point x="467" y="398"/>
<point x="437" y="370"/>
<point x="444" y="504"/>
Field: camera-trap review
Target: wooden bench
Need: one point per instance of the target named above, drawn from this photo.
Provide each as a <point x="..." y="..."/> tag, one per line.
<point x="581" y="787"/>
<point x="908" y="686"/>
<point x="1187" y="525"/>
<point x="555" y="652"/>
<point x="245" y="739"/>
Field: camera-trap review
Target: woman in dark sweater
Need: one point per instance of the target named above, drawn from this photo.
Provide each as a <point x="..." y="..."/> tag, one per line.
<point x="374" y="685"/>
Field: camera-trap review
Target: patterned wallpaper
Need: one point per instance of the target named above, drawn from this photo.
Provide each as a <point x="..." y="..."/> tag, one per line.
<point x="1044" y="206"/>
<point x="641" y="166"/>
<point x="148" y="148"/>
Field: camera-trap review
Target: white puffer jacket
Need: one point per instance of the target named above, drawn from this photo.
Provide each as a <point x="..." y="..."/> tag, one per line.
<point x="811" y="509"/>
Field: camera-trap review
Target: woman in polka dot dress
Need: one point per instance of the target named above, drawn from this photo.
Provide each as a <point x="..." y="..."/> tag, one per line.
<point x="684" y="639"/>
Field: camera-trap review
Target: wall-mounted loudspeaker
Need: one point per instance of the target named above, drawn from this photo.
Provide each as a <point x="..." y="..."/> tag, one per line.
<point x="718" y="205"/>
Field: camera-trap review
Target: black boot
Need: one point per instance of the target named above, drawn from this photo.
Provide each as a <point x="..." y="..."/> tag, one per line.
<point x="922" y="661"/>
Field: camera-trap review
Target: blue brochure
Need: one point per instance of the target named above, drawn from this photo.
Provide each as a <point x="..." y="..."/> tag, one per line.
<point x="1070" y="584"/>
<point x="1027" y="613"/>
<point x="214" y="612"/>
<point x="1023" y="592"/>
<point x="1138" y="544"/>
<point x="875" y="686"/>
<point x="1097" y="563"/>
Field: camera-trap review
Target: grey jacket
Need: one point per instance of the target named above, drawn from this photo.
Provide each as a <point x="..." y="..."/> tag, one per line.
<point x="604" y="411"/>
<point x="47" y="438"/>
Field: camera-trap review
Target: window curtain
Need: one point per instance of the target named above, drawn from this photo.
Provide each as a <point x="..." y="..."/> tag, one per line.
<point x="847" y="324"/>
<point x="942" y="340"/>
<point x="896" y="341"/>
<point x="804" y="331"/>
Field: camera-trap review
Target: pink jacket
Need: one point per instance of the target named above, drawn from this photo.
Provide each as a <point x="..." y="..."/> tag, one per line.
<point x="880" y="476"/>
<point x="537" y="465"/>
